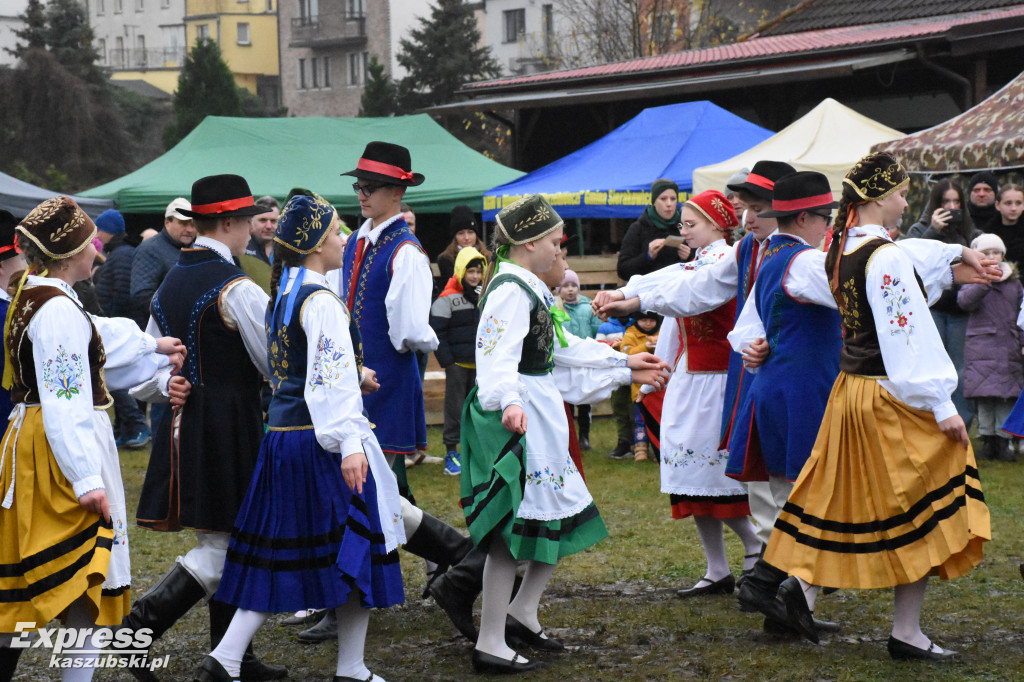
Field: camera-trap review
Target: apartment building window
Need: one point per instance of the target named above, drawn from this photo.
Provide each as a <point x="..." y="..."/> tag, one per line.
<point x="314" y="71"/>
<point x="100" y="7"/>
<point x="327" y="72"/>
<point x="243" y="34"/>
<point x="515" y="24"/>
<point x="308" y="10"/>
<point x="118" y="6"/>
<point x="547" y="13"/>
<point x="117" y="59"/>
<point x="164" y="4"/>
<point x="302" y="74"/>
<point x="101" y="48"/>
<point x="355" y="8"/>
<point x="203" y="31"/>
<point x="357" y="67"/>
<point x="138" y="5"/>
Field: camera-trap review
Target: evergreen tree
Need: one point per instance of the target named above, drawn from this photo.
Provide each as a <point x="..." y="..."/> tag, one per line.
<point x="34" y="33"/>
<point x="205" y="88"/>
<point x="444" y="54"/>
<point x="69" y="37"/>
<point x="379" y="92"/>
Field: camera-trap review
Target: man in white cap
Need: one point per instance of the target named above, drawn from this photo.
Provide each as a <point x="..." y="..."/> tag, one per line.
<point x="155" y="257"/>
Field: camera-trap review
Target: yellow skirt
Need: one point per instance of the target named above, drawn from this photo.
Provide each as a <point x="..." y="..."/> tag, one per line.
<point x="885" y="498"/>
<point x="52" y="550"/>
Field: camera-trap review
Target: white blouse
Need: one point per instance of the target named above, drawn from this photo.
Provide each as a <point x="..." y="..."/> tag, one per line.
<point x="60" y="336"/>
<point x="581" y="368"/>
<point x="407" y="303"/>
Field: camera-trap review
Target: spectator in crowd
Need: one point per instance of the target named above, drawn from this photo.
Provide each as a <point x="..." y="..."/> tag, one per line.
<point x="148" y="233"/>
<point x="1006" y="222"/>
<point x="454" y="317"/>
<point x="981" y="193"/>
<point x="993" y="375"/>
<point x="155" y="257"/>
<point x="409" y="215"/>
<point x="644" y="248"/>
<point x="261" y="244"/>
<point x="113" y="286"/>
<point x="641" y="336"/>
<point x="948" y="222"/>
<point x="465" y="231"/>
<point x="583" y="323"/>
<point x="738" y="205"/>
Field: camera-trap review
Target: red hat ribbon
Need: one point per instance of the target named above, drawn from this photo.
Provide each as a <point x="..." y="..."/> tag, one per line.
<point x="384" y="169"/>
<point x="222" y="206"/>
<point x="801" y="203"/>
<point x="760" y="181"/>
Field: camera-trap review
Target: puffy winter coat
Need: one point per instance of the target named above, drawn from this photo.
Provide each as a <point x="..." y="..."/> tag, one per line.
<point x="582" y="320"/>
<point x="992" y="355"/>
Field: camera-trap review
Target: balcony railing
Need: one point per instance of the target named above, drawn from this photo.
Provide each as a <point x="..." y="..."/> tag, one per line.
<point x="137" y="58"/>
<point x="326" y="30"/>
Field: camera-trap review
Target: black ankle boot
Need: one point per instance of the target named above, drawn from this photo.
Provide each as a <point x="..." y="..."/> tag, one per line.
<point x="161" y="607"/>
<point x="253" y="669"/>
<point x="583" y="420"/>
<point x="456" y="589"/>
<point x="434" y="540"/>
<point x="759" y="590"/>
<point x="623" y="450"/>
<point x="8" y="662"/>
<point x="1004" y="450"/>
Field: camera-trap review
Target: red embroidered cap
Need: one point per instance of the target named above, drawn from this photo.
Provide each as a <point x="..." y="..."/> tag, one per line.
<point x="714" y="206"/>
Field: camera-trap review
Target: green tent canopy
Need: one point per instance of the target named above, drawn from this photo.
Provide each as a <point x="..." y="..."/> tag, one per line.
<point x="277" y="154"/>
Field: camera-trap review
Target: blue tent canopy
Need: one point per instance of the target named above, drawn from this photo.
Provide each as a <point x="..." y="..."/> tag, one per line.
<point x="612" y="177"/>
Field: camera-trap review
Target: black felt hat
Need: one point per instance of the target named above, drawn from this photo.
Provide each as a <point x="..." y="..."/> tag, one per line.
<point x="798" y="192"/>
<point x="762" y="178"/>
<point x="387" y="163"/>
<point x="222" y="196"/>
<point x="7" y="224"/>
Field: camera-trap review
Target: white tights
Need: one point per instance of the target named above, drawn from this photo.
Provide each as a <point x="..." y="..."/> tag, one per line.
<point x="710" y="531"/>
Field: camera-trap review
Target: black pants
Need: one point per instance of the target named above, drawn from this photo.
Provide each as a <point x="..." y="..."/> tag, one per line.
<point x="458" y="381"/>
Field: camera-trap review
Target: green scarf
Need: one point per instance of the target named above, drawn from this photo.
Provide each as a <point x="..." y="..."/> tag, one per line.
<point x="661" y="223"/>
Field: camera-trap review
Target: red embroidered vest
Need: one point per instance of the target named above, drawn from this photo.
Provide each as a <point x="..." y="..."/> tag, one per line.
<point x="703" y="339"/>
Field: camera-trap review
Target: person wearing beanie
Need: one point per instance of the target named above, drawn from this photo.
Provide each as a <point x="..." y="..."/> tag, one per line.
<point x="583" y="323"/>
<point x="993" y="374"/>
<point x="981" y="197"/>
<point x="464" y="229"/>
<point x="113" y="290"/>
<point x="892" y="478"/>
<point x="643" y="247"/>
<point x="64" y="543"/>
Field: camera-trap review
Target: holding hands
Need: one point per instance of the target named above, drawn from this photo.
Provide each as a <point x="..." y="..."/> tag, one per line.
<point x="649" y="370"/>
<point x="613" y="304"/>
<point x="174" y="349"/>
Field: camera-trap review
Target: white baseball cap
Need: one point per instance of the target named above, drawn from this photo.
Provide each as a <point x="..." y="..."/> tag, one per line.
<point x="174" y="209"/>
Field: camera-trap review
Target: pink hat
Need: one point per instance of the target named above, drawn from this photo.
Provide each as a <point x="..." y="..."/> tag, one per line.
<point x="571" y="276"/>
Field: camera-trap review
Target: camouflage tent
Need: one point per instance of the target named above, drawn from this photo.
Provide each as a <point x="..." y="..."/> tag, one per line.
<point x="988" y="136"/>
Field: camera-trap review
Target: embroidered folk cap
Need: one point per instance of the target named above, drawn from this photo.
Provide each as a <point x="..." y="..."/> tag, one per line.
<point x="762" y="178"/>
<point x="874" y="177"/>
<point x="714" y="206"/>
<point x="222" y="196"/>
<point x="59" y="227"/>
<point x="386" y="163"/>
<point x="798" y="192"/>
<point x="528" y="219"/>
<point x="305" y="223"/>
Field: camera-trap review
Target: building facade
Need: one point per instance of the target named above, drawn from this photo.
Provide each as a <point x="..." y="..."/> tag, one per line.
<point x="10" y="21"/>
<point x="140" y="40"/>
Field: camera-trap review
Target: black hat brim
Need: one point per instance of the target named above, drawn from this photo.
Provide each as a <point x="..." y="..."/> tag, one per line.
<point x="750" y="188"/>
<point x="782" y="214"/>
<point x="417" y="178"/>
<point x="243" y="212"/>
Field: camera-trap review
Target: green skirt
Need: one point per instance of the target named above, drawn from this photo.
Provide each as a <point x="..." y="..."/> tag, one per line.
<point x="493" y="479"/>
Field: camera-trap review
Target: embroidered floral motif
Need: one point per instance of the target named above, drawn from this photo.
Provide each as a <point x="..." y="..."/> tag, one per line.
<point x="848" y="307"/>
<point x="490" y="334"/>
<point x="546" y="477"/>
<point x="328" y="363"/>
<point x="681" y="457"/>
<point x="62" y="374"/>
<point x="895" y="296"/>
<point x="120" y="533"/>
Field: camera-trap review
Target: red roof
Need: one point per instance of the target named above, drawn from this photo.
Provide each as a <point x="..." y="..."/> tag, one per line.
<point x="768" y="46"/>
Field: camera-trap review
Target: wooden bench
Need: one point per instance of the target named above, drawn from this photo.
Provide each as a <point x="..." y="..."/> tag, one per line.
<point x="595" y="272"/>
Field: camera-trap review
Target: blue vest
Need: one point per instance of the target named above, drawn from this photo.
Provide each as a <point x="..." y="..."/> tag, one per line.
<point x="287" y="353"/>
<point x="738" y="379"/>
<point x="786" y="400"/>
<point x="396" y="409"/>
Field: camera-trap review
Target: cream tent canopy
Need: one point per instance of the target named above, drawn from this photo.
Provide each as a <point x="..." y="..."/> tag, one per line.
<point x="828" y="139"/>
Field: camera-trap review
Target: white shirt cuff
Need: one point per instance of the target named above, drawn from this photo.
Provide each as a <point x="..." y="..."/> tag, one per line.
<point x="944" y="411"/>
<point x="87" y="484"/>
<point x="351" y="445"/>
<point x="511" y="399"/>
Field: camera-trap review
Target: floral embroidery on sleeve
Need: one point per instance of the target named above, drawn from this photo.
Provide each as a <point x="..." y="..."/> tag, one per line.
<point x="490" y="334"/>
<point x="328" y="363"/>
<point x="895" y="296"/>
<point x="62" y="374"/>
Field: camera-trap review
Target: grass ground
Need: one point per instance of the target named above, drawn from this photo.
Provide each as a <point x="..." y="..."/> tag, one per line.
<point x="615" y="605"/>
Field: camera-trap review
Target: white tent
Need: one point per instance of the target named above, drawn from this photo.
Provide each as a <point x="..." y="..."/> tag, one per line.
<point x="829" y="139"/>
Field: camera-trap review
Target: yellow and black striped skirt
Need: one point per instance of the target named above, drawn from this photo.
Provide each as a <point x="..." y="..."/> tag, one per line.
<point x="52" y="550"/>
<point x="885" y="498"/>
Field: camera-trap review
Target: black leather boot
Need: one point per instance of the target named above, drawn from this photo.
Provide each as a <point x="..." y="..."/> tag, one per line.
<point x="434" y="540"/>
<point x="8" y="662"/>
<point x="456" y="589"/>
<point x="583" y="420"/>
<point x="760" y="588"/>
<point x="161" y="607"/>
<point x="253" y="669"/>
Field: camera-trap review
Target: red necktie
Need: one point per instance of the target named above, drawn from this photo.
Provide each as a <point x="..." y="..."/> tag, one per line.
<point x="356" y="266"/>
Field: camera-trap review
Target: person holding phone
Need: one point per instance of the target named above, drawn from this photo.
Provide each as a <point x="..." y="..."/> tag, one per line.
<point x="646" y="246"/>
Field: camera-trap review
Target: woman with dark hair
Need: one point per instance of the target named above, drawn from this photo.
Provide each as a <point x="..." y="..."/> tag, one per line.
<point x="951" y="223"/>
<point x="465" y="231"/>
<point x="644" y="248"/>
